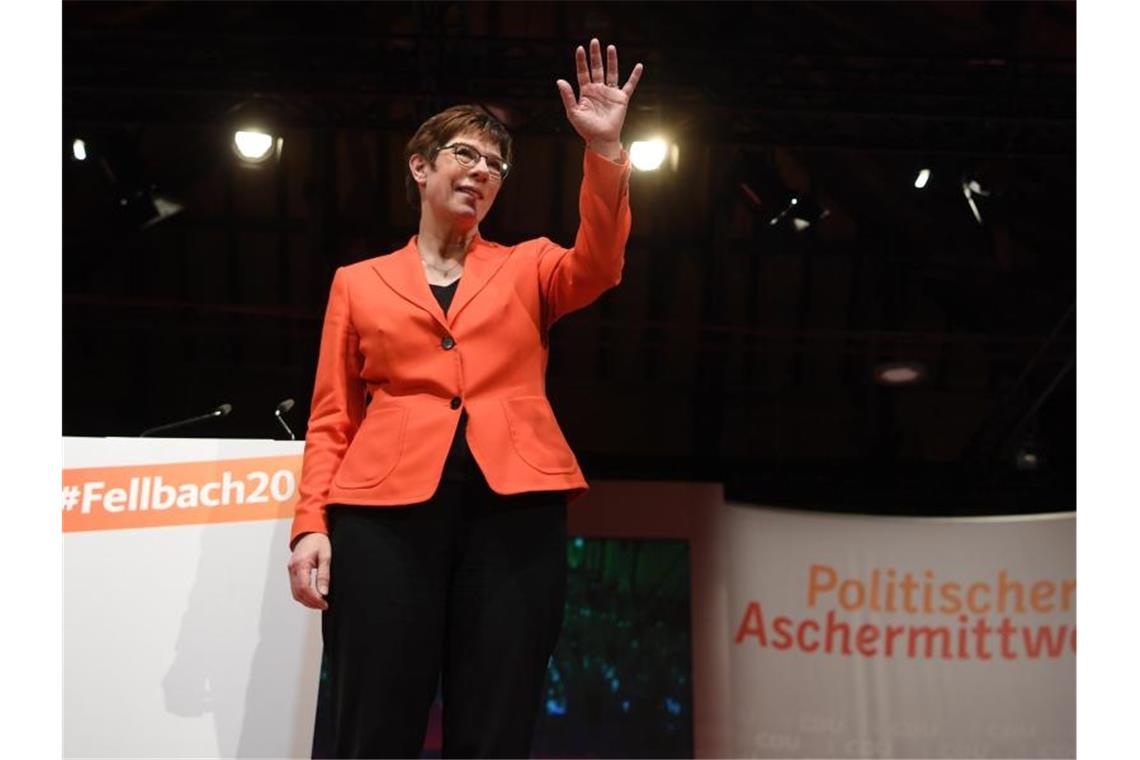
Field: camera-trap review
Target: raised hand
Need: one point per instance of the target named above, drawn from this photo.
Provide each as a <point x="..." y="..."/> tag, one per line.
<point x="599" y="112"/>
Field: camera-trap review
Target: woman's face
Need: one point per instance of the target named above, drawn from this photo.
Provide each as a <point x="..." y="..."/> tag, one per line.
<point x="455" y="191"/>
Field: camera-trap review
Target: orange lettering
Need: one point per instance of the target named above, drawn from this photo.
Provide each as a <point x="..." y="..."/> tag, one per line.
<point x="843" y="595"/>
<point x="977" y="608"/>
<point x="1041" y="596"/>
<point x="814" y="585"/>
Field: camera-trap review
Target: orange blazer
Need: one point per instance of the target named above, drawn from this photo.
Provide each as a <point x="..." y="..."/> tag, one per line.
<point x="394" y="371"/>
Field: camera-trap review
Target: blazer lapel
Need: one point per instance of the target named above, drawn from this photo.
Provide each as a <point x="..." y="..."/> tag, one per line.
<point x="404" y="273"/>
<point x="482" y="263"/>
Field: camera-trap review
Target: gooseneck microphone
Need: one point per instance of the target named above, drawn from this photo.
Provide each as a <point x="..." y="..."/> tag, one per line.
<point x="283" y="407"/>
<point x="221" y="411"/>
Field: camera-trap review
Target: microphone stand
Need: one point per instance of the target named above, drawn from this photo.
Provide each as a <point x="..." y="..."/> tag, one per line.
<point x="221" y="411"/>
<point x="284" y="406"/>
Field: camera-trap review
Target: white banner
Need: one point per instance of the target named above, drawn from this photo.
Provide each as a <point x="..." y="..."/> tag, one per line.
<point x="180" y="636"/>
<point x="859" y="636"/>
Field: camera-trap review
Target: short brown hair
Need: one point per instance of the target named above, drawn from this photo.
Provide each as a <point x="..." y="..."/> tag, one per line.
<point x="434" y="133"/>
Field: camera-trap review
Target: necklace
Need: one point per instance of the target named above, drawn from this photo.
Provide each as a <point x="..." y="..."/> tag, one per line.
<point x="440" y="270"/>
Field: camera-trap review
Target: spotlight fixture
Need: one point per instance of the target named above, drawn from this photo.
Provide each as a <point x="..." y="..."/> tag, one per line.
<point x="135" y="200"/>
<point x="79" y="150"/>
<point x="254" y="145"/>
<point x="648" y="155"/>
<point x="255" y="129"/>
<point x="144" y="208"/>
<point x="922" y="178"/>
<point x="780" y="216"/>
<point x="1028" y="456"/>
<point x="806" y="213"/>
<point x="905" y="372"/>
<point x="803" y="213"/>
<point x="1026" y="460"/>
<point x="766" y="194"/>
<point x="972" y="189"/>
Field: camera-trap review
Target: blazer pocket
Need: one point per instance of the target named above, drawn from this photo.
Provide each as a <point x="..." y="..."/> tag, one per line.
<point x="536" y="436"/>
<point x="374" y="450"/>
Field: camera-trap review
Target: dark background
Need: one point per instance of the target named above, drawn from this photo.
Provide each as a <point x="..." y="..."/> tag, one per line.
<point x="734" y="350"/>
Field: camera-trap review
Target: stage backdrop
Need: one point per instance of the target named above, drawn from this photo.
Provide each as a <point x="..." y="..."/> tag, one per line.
<point x="852" y="636"/>
<point x="813" y="635"/>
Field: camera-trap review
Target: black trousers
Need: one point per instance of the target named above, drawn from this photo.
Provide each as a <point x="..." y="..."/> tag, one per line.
<point x="464" y="591"/>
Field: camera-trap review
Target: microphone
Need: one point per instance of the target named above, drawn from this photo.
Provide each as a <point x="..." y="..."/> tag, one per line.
<point x="284" y="406"/>
<point x="221" y="411"/>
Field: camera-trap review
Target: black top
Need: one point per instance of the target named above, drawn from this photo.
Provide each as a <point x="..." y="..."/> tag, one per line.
<point x="459" y="460"/>
<point x="444" y="294"/>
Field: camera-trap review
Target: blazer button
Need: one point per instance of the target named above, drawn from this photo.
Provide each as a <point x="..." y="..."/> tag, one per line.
<point x="448" y="343"/>
<point x="456" y="402"/>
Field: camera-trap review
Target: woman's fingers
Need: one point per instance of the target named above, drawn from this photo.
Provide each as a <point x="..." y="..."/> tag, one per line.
<point x="322" y="574"/>
<point x="309" y="569"/>
<point x="567" y="93"/>
<point x="299" y="581"/>
<point x="583" y="72"/>
<point x="611" y="66"/>
<point x="634" y="78"/>
<point x="597" y="74"/>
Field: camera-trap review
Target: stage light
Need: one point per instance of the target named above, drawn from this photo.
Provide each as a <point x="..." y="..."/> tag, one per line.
<point x="1026" y="460"/>
<point x="256" y="126"/>
<point x="648" y="155"/>
<point x="1028" y="456"/>
<point x="802" y="212"/>
<point x="758" y="181"/>
<point x="253" y="145"/>
<point x="900" y="373"/>
<point x="79" y="150"/>
<point x="806" y="213"/>
<point x="922" y="178"/>
<point x="972" y="189"/>
<point x="779" y="217"/>
<point x="144" y="208"/>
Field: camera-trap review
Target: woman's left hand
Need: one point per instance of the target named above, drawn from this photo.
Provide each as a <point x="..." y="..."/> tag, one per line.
<point x="599" y="112"/>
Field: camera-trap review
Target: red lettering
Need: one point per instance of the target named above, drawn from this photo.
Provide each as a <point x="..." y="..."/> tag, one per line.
<point x="929" y="633"/>
<point x="1051" y="639"/>
<point x="802" y="641"/>
<point x="752" y="624"/>
<point x="783" y="628"/>
<point x="1006" y="630"/>
<point x="893" y="632"/>
<point x="832" y="629"/>
<point x="865" y="637"/>
<point x="981" y="630"/>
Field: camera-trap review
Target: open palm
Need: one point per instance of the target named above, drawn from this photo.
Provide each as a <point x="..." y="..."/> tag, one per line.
<point x="599" y="111"/>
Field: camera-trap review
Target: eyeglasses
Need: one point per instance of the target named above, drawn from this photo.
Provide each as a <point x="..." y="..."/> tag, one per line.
<point x="469" y="156"/>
